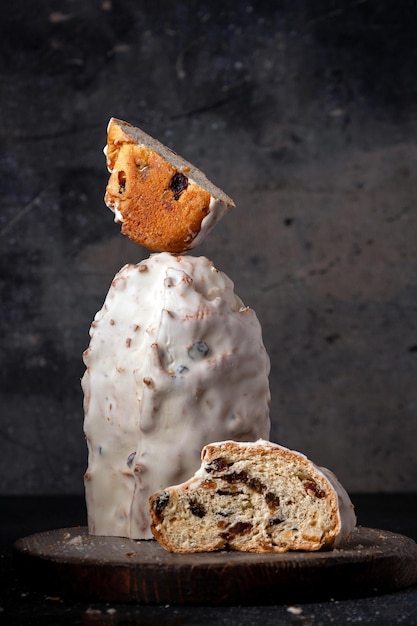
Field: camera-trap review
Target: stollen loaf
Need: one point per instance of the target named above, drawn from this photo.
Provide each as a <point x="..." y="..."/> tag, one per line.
<point x="175" y="361"/>
<point x="254" y="497"/>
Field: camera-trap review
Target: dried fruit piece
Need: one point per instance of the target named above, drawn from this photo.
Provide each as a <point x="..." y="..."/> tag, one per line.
<point x="178" y="183"/>
<point x="198" y="351"/>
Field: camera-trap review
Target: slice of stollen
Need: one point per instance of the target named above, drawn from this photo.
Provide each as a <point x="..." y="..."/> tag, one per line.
<point x="163" y="202"/>
<point x="254" y="497"/>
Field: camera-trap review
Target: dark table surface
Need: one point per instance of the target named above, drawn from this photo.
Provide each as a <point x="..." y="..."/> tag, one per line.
<point x="19" y="605"/>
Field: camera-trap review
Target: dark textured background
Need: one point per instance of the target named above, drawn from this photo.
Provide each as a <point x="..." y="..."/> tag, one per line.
<point x="306" y="114"/>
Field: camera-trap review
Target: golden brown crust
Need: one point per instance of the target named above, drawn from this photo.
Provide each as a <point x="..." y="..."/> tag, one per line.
<point x="160" y="206"/>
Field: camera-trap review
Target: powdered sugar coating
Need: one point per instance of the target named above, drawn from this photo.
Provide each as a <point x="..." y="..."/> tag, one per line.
<point x="175" y="361"/>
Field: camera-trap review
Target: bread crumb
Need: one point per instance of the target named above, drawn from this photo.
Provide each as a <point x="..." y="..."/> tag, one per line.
<point x="75" y="541"/>
<point x="91" y="611"/>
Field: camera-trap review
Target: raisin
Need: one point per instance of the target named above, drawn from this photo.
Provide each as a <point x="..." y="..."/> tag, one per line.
<point x="178" y="183"/>
<point x="161" y="503"/>
<point x="197" y="509"/>
<point x="198" y="351"/>
<point x="272" y="500"/>
<point x="253" y="483"/>
<point x="256" y="485"/>
<point x="130" y="459"/>
<point x="226" y="536"/>
<point x="122" y="181"/>
<point x="221" y="492"/>
<point x="240" y="528"/>
<point x="217" y="465"/>
<point x="313" y="489"/>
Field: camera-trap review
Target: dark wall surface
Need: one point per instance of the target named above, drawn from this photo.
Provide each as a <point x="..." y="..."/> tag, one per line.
<point x="305" y="113"/>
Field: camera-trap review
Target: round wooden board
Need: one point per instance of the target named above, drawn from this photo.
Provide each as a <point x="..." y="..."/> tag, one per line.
<point x="70" y="563"/>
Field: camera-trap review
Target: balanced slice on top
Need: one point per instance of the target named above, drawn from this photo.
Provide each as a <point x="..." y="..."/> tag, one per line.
<point x="163" y="202"/>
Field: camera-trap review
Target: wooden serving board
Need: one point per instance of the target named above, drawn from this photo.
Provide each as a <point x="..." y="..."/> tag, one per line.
<point x="70" y="563"/>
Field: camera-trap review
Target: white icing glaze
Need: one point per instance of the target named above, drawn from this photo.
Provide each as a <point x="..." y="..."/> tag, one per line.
<point x="154" y="395"/>
<point x="346" y="511"/>
<point x="217" y="209"/>
<point x="118" y="217"/>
